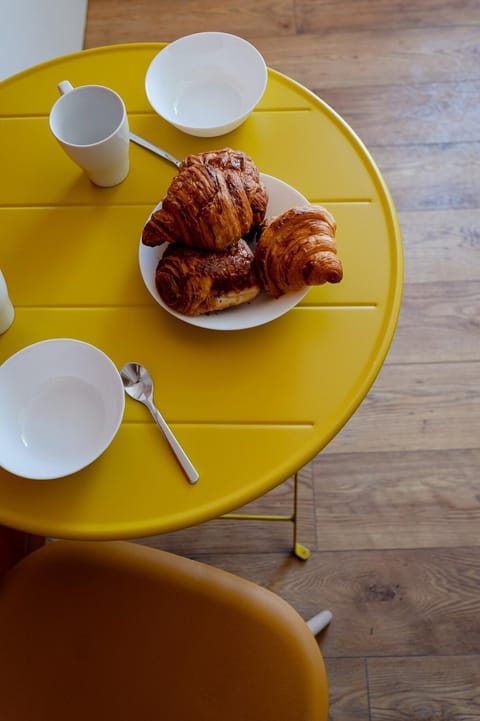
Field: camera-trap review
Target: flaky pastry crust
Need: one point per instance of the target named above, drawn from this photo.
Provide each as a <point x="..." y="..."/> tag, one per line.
<point x="216" y="198"/>
<point x="297" y="249"/>
<point x="194" y="282"/>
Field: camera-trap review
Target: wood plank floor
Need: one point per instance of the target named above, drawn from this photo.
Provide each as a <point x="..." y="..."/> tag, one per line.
<point x="391" y="509"/>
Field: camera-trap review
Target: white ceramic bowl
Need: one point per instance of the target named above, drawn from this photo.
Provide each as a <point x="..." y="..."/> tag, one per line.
<point x="61" y="404"/>
<point x="206" y="84"/>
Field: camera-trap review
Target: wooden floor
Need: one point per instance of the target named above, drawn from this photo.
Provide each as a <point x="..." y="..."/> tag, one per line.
<point x="391" y="509"/>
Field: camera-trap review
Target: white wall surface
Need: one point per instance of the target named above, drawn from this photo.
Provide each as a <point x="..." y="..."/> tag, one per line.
<point x="32" y="31"/>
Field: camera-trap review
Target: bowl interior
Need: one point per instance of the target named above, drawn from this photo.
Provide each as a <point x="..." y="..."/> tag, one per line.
<point x="206" y="80"/>
<point x="61" y="403"/>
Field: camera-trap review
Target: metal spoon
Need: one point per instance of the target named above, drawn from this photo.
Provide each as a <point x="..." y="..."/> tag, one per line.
<point x="155" y="149"/>
<point x="138" y="384"/>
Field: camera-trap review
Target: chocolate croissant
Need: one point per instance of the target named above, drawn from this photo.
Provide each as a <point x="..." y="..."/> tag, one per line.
<point x="297" y="249"/>
<point x="194" y="281"/>
<point x="214" y="200"/>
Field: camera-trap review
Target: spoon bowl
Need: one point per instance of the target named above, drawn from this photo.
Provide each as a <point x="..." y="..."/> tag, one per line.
<point x="138" y="384"/>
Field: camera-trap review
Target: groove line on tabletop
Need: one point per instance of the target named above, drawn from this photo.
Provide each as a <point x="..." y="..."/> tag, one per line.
<point x="231" y="424"/>
<point x="23" y="115"/>
<point x="148" y="204"/>
<point x="338" y="305"/>
<point x="147" y="305"/>
<point x="281" y="109"/>
<point x="148" y="113"/>
<point x="86" y="204"/>
<point x="83" y="306"/>
<point x="341" y="201"/>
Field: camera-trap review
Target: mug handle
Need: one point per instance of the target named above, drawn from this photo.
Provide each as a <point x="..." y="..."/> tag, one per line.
<point x="64" y="87"/>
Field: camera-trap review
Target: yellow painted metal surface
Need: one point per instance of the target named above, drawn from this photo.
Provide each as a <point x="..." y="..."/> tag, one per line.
<point x="250" y="406"/>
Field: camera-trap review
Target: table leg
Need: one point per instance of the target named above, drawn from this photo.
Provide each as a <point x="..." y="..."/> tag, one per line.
<point x="298" y="549"/>
<point x="14" y="545"/>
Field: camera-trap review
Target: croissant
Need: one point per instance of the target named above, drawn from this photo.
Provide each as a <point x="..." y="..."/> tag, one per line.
<point x="214" y="200"/>
<point x="296" y="249"/>
<point x="194" y="282"/>
<point x="235" y="161"/>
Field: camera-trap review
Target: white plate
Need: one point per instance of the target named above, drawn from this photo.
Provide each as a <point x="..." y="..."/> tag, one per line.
<point x="61" y="404"/>
<point x="259" y="311"/>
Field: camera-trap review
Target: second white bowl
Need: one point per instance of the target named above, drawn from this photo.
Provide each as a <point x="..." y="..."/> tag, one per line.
<point x="61" y="404"/>
<point x="206" y="84"/>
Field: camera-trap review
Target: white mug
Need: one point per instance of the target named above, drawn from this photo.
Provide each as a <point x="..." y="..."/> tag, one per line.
<point x="90" y="122"/>
<point x="7" y="312"/>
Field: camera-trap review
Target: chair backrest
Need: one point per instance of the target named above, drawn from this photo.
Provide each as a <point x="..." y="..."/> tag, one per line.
<point x="115" y="630"/>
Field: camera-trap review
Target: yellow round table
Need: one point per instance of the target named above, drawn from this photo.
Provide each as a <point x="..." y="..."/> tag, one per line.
<point x="249" y="406"/>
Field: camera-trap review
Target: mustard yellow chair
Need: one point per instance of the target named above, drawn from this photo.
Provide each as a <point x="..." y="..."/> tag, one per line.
<point x="114" y="631"/>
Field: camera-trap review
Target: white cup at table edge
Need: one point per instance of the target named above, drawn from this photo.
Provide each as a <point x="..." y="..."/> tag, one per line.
<point x="7" y="311"/>
<point x="90" y="123"/>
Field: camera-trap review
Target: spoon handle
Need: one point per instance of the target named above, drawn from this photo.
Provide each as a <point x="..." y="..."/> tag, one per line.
<point x="154" y="149"/>
<point x="190" y="471"/>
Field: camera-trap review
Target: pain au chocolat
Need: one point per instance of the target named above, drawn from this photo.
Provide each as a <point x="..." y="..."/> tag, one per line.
<point x="195" y="281"/>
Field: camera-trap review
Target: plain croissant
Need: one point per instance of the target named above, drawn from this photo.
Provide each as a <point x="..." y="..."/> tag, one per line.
<point x="297" y="249"/>
<point x="214" y="200"/>
<point x="235" y="161"/>
<point x="194" y="281"/>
